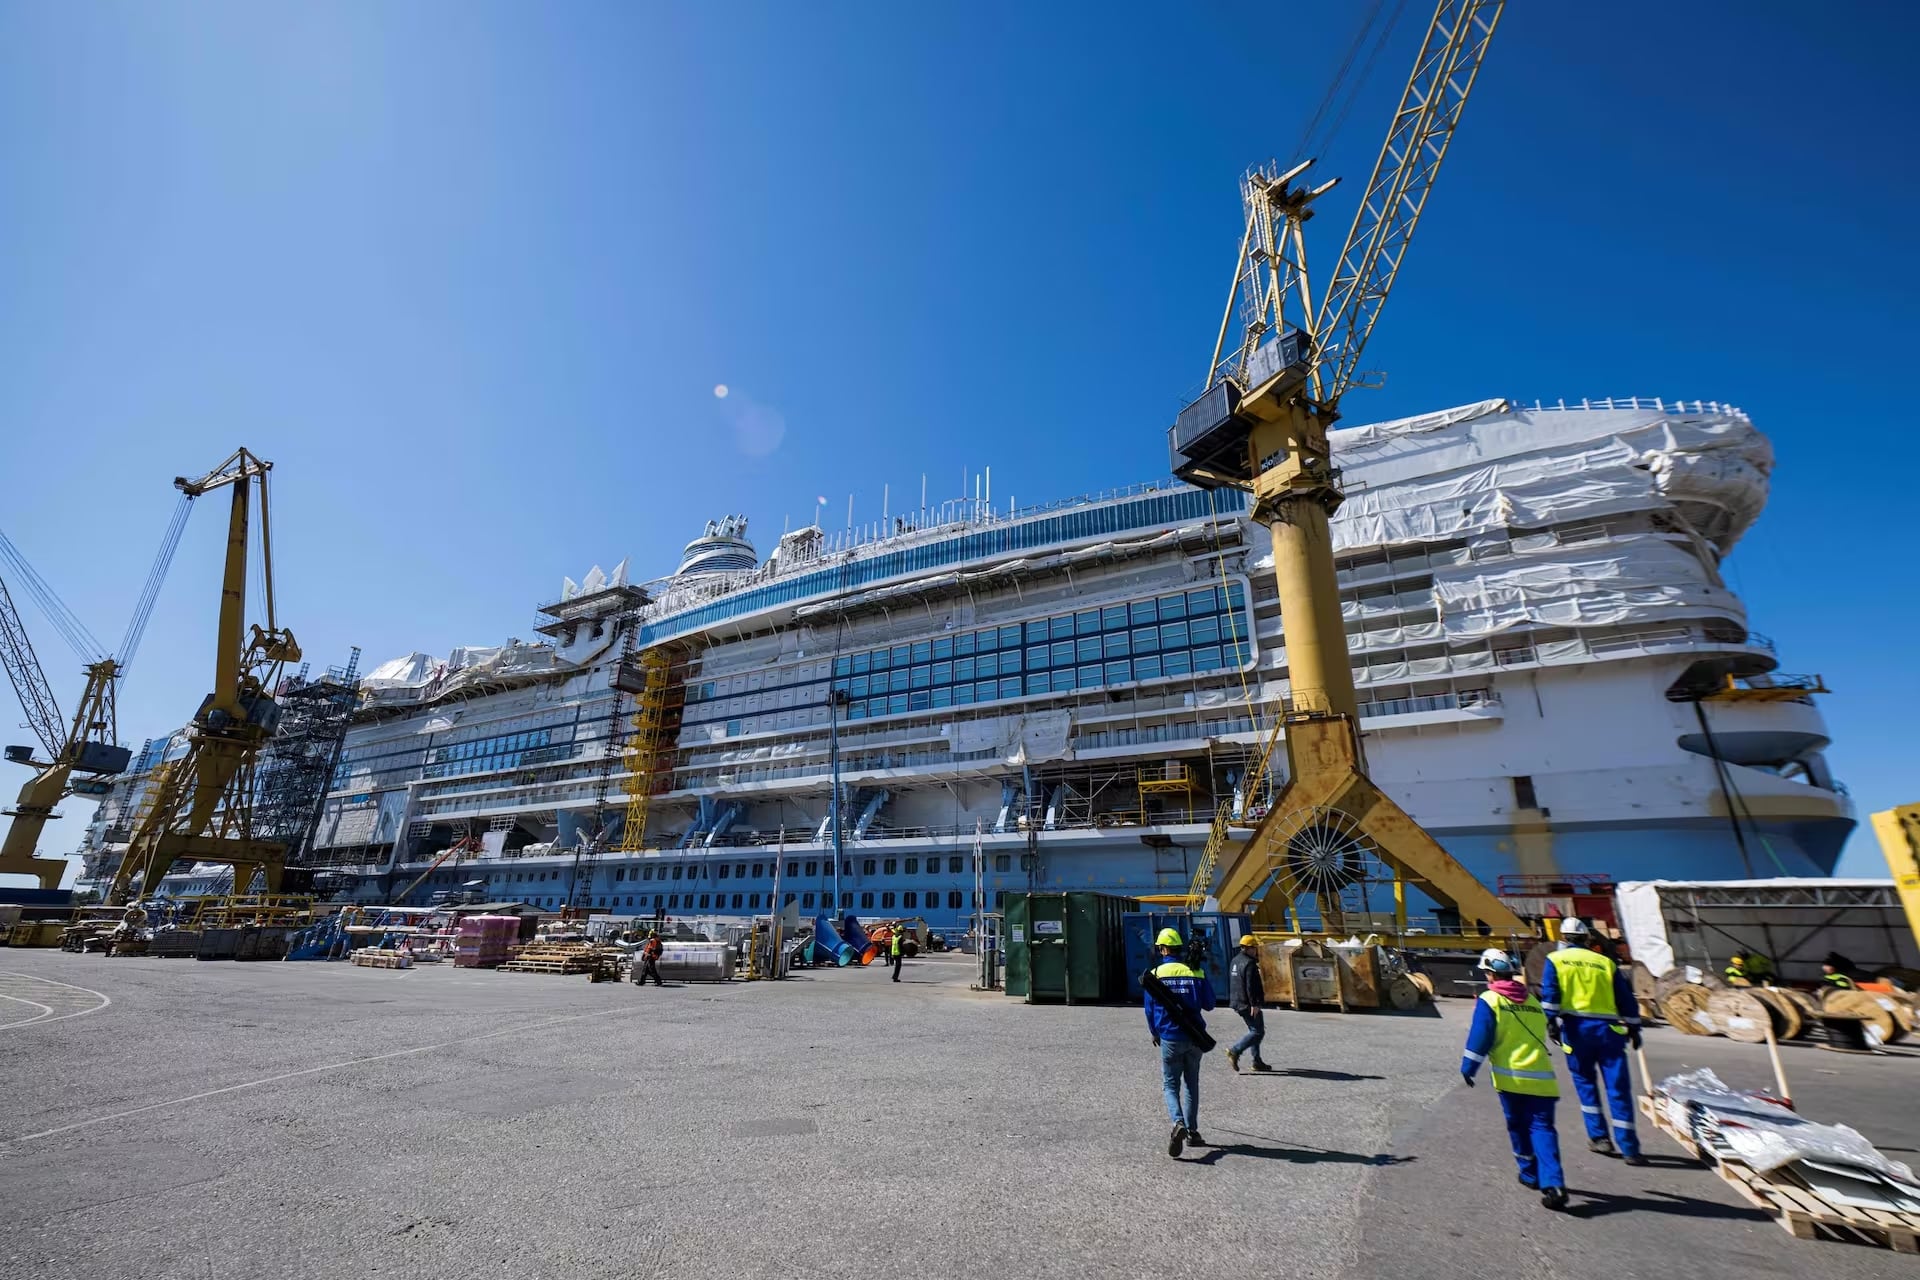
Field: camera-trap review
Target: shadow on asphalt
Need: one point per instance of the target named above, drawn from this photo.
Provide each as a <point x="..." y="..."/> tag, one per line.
<point x="1311" y="1073"/>
<point x="1299" y="1155"/>
<point x="1598" y="1204"/>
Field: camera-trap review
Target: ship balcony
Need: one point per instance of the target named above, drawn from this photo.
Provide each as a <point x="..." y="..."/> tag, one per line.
<point x="1756" y="733"/>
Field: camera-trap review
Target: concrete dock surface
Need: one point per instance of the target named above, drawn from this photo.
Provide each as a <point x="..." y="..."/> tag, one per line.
<point x="172" y="1118"/>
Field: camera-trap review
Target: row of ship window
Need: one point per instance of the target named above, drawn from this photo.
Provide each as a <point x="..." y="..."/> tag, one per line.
<point x="909" y="899"/>
<point x="796" y="868"/>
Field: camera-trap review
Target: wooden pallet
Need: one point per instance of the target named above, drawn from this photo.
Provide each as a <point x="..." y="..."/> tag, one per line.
<point x="553" y="958"/>
<point x="1801" y="1212"/>
<point x="373" y="958"/>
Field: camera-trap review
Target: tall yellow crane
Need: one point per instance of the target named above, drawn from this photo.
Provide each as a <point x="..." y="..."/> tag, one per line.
<point x="1261" y="425"/>
<point x="204" y="808"/>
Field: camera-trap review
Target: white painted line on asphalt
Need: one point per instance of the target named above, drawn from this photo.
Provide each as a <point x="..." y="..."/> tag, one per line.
<point x="49" y="1015"/>
<point x="310" y="1071"/>
<point x="46" y="1011"/>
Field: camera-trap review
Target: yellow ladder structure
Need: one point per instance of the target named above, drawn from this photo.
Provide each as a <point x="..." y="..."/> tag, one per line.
<point x="645" y="749"/>
<point x="1210" y="857"/>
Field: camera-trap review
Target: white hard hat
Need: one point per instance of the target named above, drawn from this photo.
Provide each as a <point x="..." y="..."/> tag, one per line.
<point x="1573" y="927"/>
<point x="1494" y="960"/>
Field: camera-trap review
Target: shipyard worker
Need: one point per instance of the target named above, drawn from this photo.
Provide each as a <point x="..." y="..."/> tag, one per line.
<point x="650" y="952"/>
<point x="893" y="950"/>
<point x="1591" y="1011"/>
<point x="1745" y="969"/>
<point x="1509" y="1034"/>
<point x="1177" y="997"/>
<point x="1247" y="996"/>
<point x="1830" y="976"/>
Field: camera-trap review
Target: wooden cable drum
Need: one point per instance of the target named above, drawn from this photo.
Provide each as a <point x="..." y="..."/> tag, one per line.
<point x="1668" y="983"/>
<point x="1741" y="1015"/>
<point x="1881" y="1026"/>
<point x="1402" y="992"/>
<point x="1686" y="1008"/>
<point x="1805" y="1001"/>
<point x="1789" y="1023"/>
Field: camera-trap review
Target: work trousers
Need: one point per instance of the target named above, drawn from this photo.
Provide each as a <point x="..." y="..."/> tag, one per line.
<point x="1256" y="1020"/>
<point x="1599" y="1059"/>
<point x="649" y="968"/>
<point x="1536" y="1147"/>
<point x="1180" y="1063"/>
<point x="898" y="956"/>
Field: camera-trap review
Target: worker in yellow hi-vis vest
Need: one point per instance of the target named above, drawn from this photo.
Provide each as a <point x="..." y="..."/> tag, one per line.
<point x="1591" y="1010"/>
<point x="1509" y="1034"/>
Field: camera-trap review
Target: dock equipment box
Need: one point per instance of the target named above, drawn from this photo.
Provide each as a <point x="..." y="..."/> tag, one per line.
<point x="1066" y="947"/>
<point x="1210" y="937"/>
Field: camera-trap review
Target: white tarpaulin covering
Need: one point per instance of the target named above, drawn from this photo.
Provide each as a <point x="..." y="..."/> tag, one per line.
<point x="1604" y="584"/>
<point x="1027" y="739"/>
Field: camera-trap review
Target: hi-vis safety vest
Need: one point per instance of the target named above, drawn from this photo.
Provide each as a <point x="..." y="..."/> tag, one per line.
<point x="1586" y="983"/>
<point x="1520" y="1060"/>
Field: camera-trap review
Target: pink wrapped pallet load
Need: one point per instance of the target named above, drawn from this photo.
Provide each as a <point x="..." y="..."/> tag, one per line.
<point x="484" y="940"/>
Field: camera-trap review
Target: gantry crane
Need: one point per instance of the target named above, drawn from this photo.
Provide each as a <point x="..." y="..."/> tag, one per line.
<point x="204" y="809"/>
<point x="1261" y="425"/>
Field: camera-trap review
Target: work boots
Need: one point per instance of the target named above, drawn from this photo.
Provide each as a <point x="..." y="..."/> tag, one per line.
<point x="1601" y="1146"/>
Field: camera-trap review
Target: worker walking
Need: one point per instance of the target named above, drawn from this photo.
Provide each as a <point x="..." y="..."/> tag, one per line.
<point x="650" y="952"/>
<point x="1591" y="1011"/>
<point x="1509" y="1034"/>
<point x="1831" y="977"/>
<point x="1247" y="996"/>
<point x="893" y="949"/>
<point x="1177" y="995"/>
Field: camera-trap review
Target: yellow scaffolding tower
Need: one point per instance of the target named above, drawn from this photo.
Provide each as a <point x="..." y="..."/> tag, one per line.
<point x="646" y="747"/>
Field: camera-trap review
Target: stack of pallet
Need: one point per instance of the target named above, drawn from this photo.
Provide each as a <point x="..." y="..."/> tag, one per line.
<point x="376" y="958"/>
<point x="484" y="941"/>
<point x="555" y="957"/>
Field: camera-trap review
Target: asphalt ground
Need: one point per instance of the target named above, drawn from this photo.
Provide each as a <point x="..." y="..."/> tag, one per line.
<point x="170" y="1118"/>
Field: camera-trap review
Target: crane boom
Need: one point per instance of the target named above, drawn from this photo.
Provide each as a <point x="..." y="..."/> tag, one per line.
<point x="1396" y="195"/>
<point x="29" y="681"/>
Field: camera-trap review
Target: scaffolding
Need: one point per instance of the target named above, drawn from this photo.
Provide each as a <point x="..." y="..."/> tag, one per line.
<point x="297" y="767"/>
<point x="648" y="751"/>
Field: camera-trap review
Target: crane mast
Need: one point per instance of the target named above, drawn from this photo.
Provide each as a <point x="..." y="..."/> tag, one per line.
<point x="1261" y="425"/>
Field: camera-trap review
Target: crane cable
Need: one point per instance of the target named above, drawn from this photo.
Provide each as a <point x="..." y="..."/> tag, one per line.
<point x="64" y="620"/>
<point x="1352" y="91"/>
<point x="150" y="590"/>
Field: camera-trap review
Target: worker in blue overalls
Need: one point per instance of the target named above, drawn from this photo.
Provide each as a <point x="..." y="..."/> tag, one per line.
<point x="1591" y="1011"/>
<point x="1509" y="1034"/>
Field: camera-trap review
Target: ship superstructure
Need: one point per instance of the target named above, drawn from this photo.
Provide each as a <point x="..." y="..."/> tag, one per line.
<point x="1556" y="681"/>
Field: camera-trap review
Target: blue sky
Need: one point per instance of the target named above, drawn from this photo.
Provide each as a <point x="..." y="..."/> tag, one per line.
<point x="468" y="274"/>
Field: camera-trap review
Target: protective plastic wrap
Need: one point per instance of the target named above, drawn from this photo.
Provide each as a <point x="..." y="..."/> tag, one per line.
<point x="1761" y="1134"/>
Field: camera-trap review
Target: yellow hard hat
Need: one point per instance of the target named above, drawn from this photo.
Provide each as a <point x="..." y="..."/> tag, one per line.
<point x="1168" y="938"/>
<point x="1246" y="939"/>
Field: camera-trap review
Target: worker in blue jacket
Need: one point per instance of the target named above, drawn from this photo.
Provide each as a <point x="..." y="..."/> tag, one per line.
<point x="1509" y="1034"/>
<point x="1180" y="1033"/>
<point x="1591" y="1011"/>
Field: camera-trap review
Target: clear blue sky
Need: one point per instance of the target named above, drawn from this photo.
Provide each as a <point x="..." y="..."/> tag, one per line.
<point x="468" y="274"/>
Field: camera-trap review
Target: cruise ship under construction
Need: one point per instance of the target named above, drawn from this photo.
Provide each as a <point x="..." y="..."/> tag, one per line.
<point x="1555" y="680"/>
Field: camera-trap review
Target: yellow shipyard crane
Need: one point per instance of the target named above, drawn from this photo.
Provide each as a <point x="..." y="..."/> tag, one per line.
<point x="1261" y="426"/>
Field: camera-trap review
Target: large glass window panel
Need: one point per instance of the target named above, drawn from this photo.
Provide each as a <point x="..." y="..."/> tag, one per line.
<point x="1202" y="600"/>
<point x="1173" y="635"/>
<point x="1142" y="611"/>
<point x="942" y="696"/>
<point x="1037" y="682"/>
<point x="1010" y="688"/>
<point x="1119" y="672"/>
<point x="1062" y="653"/>
<point x="861" y="662"/>
<point x="1036" y="630"/>
<point x="1037" y="658"/>
<point x="1086" y="622"/>
<point x="857" y="687"/>
<point x="987" y="664"/>
<point x="1010" y="636"/>
<point x="856" y="710"/>
<point x="1146" y="668"/>
<point x="987" y="641"/>
<point x="943" y="673"/>
<point x="986" y="690"/>
<point x="1114" y="644"/>
<point x="962" y="694"/>
<point x="963" y="668"/>
<point x="919" y="701"/>
<point x="1061" y="628"/>
<point x="1203" y="631"/>
<point x="922" y="678"/>
<point x="1176" y="664"/>
<point x="1172" y="607"/>
<point x="1146" y="639"/>
<point x="1237" y="595"/>
<point x="902" y="655"/>
<point x="1087" y="649"/>
<point x="1063" y="679"/>
<point x="896" y="704"/>
<point x="1237" y="654"/>
<point x="963" y="645"/>
<point x="1091" y="677"/>
<point x="897" y="680"/>
<point x="1207" y="658"/>
<point x="1113" y="616"/>
<point x="842" y="666"/>
<point x="923" y="651"/>
<point x="1009" y="661"/>
<point x="881" y="660"/>
<point x="943" y="647"/>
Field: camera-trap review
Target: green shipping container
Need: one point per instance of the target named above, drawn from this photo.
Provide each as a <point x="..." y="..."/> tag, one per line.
<point x="1067" y="947"/>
